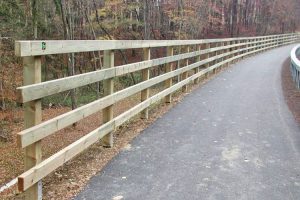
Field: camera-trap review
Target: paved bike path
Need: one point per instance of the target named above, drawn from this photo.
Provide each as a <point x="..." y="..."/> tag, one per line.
<point x="233" y="138"/>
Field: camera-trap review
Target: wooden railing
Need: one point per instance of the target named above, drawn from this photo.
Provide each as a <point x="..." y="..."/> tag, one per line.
<point x="295" y="65"/>
<point x="208" y="55"/>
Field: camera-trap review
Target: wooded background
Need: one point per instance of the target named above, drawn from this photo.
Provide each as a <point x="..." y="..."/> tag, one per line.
<point x="123" y="19"/>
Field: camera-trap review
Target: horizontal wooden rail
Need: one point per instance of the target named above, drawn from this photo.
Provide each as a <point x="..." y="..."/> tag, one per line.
<point x="40" y="90"/>
<point x="50" y="164"/>
<point x="36" y="133"/>
<point x="231" y="49"/>
<point x="37" y="48"/>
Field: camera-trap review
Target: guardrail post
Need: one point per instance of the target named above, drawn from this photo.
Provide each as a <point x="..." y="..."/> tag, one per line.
<point x="198" y="58"/>
<point x="247" y="46"/>
<point x="216" y="60"/>
<point x="272" y="43"/>
<point x="266" y="43"/>
<point x="222" y="44"/>
<point x="220" y="52"/>
<point x="206" y="56"/>
<point x="234" y="54"/>
<point x="32" y="116"/>
<point x="259" y="43"/>
<point x="223" y="52"/>
<point x="227" y="51"/>
<point x="108" y="86"/>
<point x="238" y="48"/>
<point x="185" y="74"/>
<point x="169" y="68"/>
<point x="280" y="41"/>
<point x="244" y="46"/>
<point x="255" y="44"/>
<point x="250" y="46"/>
<point x="145" y="76"/>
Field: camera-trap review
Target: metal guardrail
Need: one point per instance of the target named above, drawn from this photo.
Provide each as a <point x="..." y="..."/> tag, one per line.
<point x="295" y="65"/>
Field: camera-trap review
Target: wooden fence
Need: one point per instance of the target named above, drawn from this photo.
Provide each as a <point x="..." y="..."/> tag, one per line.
<point x="208" y="55"/>
<point x="295" y="65"/>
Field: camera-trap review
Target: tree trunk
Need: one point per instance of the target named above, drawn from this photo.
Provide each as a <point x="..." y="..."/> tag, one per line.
<point x="234" y="18"/>
<point x="146" y="20"/>
<point x="69" y="35"/>
<point x="34" y="18"/>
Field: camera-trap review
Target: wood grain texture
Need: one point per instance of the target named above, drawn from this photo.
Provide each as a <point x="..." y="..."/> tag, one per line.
<point x="40" y="90"/>
<point x="169" y="68"/>
<point x="145" y="77"/>
<point x="32" y="116"/>
<point x="34" y="48"/>
<point x="108" y="87"/>
<point x="34" y="134"/>
<point x="38" y="132"/>
<point x="185" y="74"/>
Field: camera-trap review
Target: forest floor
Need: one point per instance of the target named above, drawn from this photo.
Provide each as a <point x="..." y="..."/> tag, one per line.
<point x="69" y="179"/>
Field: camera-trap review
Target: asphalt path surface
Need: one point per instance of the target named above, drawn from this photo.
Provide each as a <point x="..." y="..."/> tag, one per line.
<point x="232" y="138"/>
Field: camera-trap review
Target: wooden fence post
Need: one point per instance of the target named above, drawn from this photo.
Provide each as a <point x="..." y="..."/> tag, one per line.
<point x="185" y="74"/>
<point x="145" y="76"/>
<point x="32" y="116"/>
<point x="223" y="44"/>
<point x="169" y="68"/>
<point x="216" y="60"/>
<point x="260" y="43"/>
<point x="198" y="48"/>
<point x="264" y="44"/>
<point x="233" y="49"/>
<point x="206" y="56"/>
<point x="227" y="51"/>
<point x="108" y="86"/>
<point x="239" y="47"/>
<point x="248" y="46"/>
